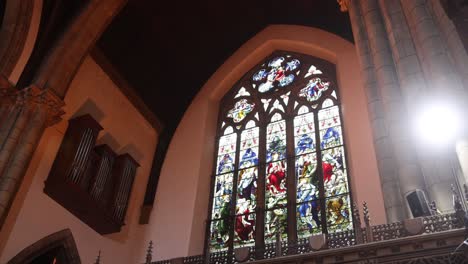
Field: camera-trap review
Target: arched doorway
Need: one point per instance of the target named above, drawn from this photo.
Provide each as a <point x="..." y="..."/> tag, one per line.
<point x="56" y="248"/>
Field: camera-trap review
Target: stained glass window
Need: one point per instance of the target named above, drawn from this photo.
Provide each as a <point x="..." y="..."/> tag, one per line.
<point x="280" y="170"/>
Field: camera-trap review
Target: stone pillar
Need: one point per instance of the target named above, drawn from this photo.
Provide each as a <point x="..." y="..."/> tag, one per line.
<point x="444" y="86"/>
<point x="453" y="24"/>
<point x="409" y="172"/>
<point x="385" y="158"/>
<point x="444" y="83"/>
<point x="462" y="155"/>
<point x="33" y="110"/>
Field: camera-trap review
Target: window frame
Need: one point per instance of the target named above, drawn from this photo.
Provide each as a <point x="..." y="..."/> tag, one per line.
<point x="290" y="112"/>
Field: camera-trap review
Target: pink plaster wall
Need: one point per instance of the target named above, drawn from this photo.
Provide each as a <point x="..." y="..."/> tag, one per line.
<point x="177" y="223"/>
<point x="125" y="130"/>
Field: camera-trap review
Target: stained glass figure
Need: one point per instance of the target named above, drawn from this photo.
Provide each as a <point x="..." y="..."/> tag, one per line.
<point x="247" y="186"/>
<point x="226" y="163"/>
<point x="221" y="206"/>
<point x="330" y="127"/>
<point x="249" y="148"/>
<point x="312" y="70"/>
<point x="308" y="219"/>
<point x="306" y="166"/>
<point x="314" y="89"/>
<point x="334" y="172"/>
<point x="276" y="141"/>
<point x="275" y="221"/>
<point x="308" y="209"/>
<point x="304" y="133"/>
<point x="280" y="74"/>
<point x="276" y="182"/>
<point x="338" y="214"/>
<point x="240" y="110"/>
<point x="242" y="92"/>
<point x="244" y="229"/>
<point x="226" y="153"/>
<point x="219" y="235"/>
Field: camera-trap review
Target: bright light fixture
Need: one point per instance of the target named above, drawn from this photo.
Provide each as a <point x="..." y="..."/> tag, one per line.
<point x="438" y="125"/>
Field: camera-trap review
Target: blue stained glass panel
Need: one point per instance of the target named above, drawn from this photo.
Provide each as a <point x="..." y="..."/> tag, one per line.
<point x="225" y="163"/>
<point x="279" y="73"/>
<point x="249" y="148"/>
<point x="304" y="137"/>
<point x="247" y="187"/>
<point x="308" y="219"/>
<point x="314" y="89"/>
<point x="330" y="128"/>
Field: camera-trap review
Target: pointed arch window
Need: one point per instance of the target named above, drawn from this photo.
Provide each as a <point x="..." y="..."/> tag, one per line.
<point x="280" y="169"/>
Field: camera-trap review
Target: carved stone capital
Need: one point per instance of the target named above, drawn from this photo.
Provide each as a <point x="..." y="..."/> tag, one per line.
<point x="344" y="4"/>
<point x="33" y="96"/>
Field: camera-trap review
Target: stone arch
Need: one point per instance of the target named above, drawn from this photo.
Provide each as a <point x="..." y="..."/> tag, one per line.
<point x="58" y="69"/>
<point x="20" y="25"/>
<point x="63" y="238"/>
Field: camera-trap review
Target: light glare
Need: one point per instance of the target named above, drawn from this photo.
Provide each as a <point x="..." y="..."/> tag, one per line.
<point x="438" y="125"/>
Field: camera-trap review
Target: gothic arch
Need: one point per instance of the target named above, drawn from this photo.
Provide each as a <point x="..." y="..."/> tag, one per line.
<point x="189" y="161"/>
<point x="58" y="69"/>
<point x="62" y="239"/>
<point x="15" y="31"/>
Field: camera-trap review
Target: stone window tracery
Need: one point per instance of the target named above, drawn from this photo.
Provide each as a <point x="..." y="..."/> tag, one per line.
<point x="280" y="167"/>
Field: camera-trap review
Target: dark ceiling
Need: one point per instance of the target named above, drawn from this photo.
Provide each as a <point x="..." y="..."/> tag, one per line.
<point x="167" y="50"/>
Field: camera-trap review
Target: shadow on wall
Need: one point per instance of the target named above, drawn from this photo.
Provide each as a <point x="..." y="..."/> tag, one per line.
<point x="109" y="140"/>
<point x="91" y="108"/>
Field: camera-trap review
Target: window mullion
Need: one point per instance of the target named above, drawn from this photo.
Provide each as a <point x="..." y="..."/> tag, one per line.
<point x="260" y="210"/>
<point x="291" y="180"/>
<point x="319" y="171"/>
<point x="232" y="213"/>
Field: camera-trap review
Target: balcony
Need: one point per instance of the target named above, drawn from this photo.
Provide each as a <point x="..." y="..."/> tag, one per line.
<point x="431" y="239"/>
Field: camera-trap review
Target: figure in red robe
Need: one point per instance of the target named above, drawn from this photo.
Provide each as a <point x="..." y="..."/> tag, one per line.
<point x="244" y="225"/>
<point x="276" y="175"/>
<point x="327" y="171"/>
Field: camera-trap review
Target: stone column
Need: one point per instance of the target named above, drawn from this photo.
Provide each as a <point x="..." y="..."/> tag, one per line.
<point x="385" y="158"/>
<point x="409" y="171"/>
<point x="453" y="28"/>
<point x="444" y="86"/>
<point x="444" y="82"/>
<point x="33" y="110"/>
